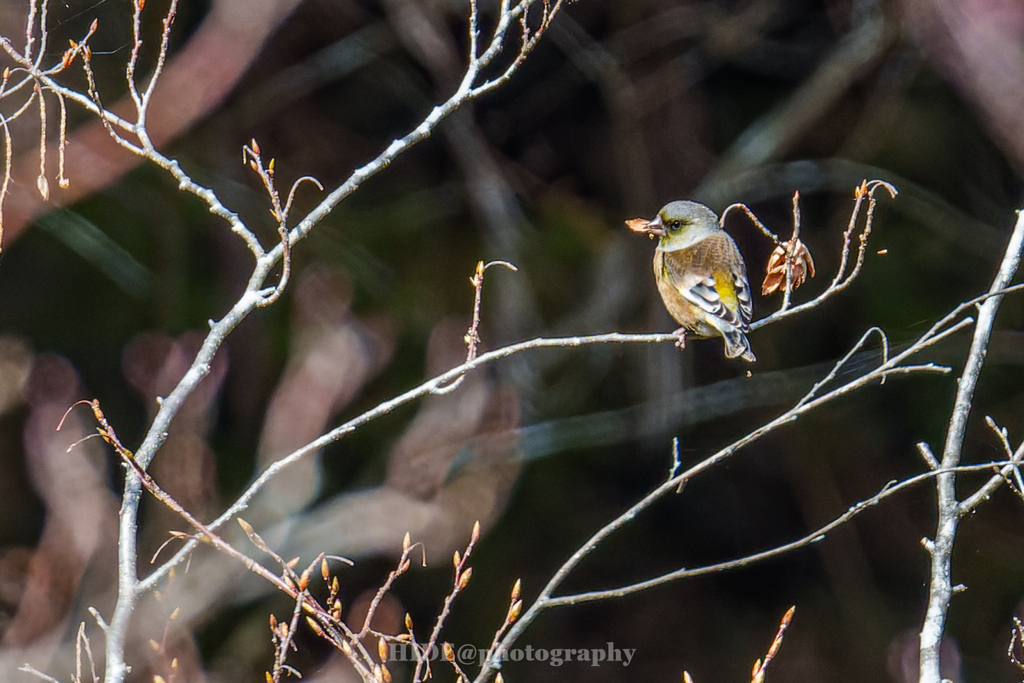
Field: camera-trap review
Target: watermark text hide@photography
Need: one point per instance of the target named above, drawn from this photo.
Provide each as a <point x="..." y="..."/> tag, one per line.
<point x="470" y="654"/>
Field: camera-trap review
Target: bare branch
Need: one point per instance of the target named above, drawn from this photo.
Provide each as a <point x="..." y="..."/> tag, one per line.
<point x="940" y="590"/>
<point x="818" y="534"/>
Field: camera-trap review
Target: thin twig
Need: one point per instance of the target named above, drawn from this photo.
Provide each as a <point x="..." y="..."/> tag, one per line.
<point x="283" y="637"/>
<point x="459" y="583"/>
<point x="843" y="277"/>
<point x="1018" y="482"/>
<point x="794" y="241"/>
<point x="472" y="337"/>
<point x="762" y="666"/>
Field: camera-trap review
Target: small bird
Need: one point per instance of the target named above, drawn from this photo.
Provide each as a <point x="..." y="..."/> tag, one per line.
<point x="700" y="275"/>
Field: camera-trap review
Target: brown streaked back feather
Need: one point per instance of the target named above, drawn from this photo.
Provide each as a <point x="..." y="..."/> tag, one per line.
<point x="686" y="270"/>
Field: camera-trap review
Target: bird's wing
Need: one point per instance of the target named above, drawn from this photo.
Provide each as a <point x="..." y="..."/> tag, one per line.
<point x="742" y="287"/>
<point x="720" y="292"/>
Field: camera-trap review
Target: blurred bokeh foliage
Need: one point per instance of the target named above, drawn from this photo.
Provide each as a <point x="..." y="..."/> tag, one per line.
<point x="624" y="107"/>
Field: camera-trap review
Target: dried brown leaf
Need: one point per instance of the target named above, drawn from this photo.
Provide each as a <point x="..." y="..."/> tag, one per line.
<point x="638" y="225"/>
<point x="801" y="265"/>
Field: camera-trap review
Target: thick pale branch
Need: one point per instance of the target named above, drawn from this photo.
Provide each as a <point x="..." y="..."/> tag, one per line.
<point x="940" y="590"/>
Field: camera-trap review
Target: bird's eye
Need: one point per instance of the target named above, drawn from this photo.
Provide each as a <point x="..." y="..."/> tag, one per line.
<point x="676" y="225"/>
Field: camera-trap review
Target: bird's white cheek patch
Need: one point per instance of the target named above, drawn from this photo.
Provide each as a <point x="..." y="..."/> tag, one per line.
<point x="685" y="242"/>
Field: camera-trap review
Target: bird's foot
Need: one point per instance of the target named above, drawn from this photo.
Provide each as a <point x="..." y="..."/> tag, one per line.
<point x="681" y="333"/>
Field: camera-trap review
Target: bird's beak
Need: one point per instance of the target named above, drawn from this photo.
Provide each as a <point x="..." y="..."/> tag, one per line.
<point x="655" y="228"/>
<point x="642" y="226"/>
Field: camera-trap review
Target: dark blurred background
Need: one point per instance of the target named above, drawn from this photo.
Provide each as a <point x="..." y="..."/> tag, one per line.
<point x="623" y="107"/>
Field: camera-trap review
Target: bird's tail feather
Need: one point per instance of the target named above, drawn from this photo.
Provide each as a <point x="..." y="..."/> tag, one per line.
<point x="738" y="346"/>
